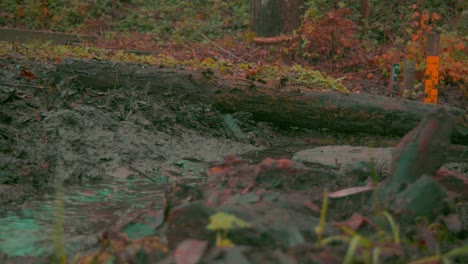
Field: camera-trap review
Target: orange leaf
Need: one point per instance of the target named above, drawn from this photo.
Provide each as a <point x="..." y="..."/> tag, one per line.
<point x="285" y="163"/>
<point x="424" y="17"/>
<point x="435" y="16"/>
<point x="216" y="170"/>
<point x="45" y="12"/>
<point x="459" y="46"/>
<point x="27" y="74"/>
<point x="268" y="163"/>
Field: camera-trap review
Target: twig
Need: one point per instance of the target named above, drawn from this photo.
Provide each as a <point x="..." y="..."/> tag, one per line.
<point x="143" y="174"/>
<point x="221" y="48"/>
<point x="23" y="85"/>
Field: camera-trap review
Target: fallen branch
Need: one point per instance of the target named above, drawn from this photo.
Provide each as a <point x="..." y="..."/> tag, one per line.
<point x="23" y="85"/>
<point x="221" y="48"/>
<point x="271" y="41"/>
<point x="142" y="173"/>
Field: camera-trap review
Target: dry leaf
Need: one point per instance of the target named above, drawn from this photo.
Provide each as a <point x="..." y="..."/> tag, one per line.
<point x="122" y="172"/>
<point x="312" y="206"/>
<point x="355" y="221"/>
<point x="350" y="191"/>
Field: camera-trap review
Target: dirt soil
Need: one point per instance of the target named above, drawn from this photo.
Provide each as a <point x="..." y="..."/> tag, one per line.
<point x="131" y="175"/>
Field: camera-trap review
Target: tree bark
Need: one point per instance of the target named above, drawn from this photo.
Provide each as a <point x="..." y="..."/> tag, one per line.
<point x="269" y="18"/>
<point x="350" y="113"/>
<point x="289" y="106"/>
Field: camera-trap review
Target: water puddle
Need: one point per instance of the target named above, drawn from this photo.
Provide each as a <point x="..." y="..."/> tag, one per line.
<point x="84" y="210"/>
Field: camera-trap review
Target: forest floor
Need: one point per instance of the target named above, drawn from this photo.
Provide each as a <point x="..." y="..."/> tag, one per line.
<point x="131" y="174"/>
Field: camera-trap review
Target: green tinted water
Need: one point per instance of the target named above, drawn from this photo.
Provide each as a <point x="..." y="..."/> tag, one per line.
<point x="30" y="230"/>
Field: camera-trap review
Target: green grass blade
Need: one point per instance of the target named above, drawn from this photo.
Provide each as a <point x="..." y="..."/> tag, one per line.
<point x="351" y="250"/>
<point x="395" y="228"/>
<point x="375" y="255"/>
<point x="332" y="239"/>
<point x="457" y="252"/>
<point x="323" y="217"/>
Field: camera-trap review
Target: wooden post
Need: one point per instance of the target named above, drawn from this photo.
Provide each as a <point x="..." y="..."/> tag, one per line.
<point x="433" y="44"/>
<point x="409" y="75"/>
<point x="431" y="76"/>
<point x="393" y="83"/>
<point x="364" y="17"/>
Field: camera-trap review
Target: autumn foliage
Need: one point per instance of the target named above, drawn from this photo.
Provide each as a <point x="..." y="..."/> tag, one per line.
<point x="332" y="36"/>
<point x="330" y="42"/>
<point x="453" y="49"/>
<point x="337" y="43"/>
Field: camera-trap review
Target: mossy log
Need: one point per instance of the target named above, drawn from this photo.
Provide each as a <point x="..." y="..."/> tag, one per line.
<point x="285" y="106"/>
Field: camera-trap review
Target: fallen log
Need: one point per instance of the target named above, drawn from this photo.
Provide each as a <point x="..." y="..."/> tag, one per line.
<point x="24" y="35"/>
<point x="351" y="113"/>
<point x="287" y="106"/>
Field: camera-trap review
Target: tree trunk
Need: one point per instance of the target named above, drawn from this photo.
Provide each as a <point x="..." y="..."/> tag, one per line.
<point x="269" y="18"/>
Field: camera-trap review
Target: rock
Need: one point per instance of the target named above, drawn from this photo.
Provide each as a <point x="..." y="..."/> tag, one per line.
<point x="424" y="198"/>
<point x="421" y="152"/>
<point x="346" y="158"/>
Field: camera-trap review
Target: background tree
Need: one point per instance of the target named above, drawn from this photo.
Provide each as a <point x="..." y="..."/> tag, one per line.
<point x="269" y="18"/>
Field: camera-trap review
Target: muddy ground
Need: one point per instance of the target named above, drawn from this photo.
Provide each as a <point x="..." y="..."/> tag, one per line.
<point x="130" y="174"/>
